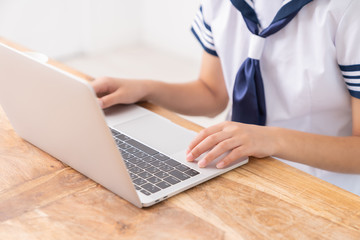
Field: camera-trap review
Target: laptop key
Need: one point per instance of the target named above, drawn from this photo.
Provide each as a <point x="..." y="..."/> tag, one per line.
<point x="172" y="180"/>
<point x="141" y="154"/>
<point x="148" y="159"/>
<point x="132" y="150"/>
<point x="163" y="185"/>
<point x="123" y="137"/>
<point x="135" y="160"/>
<point x="182" y="168"/>
<point x="179" y="175"/>
<point x="158" y="163"/>
<point x="124" y="146"/>
<point x="161" y="157"/>
<point x="132" y="175"/>
<point x="143" y="164"/>
<point x="166" y="168"/>
<point x="129" y="165"/>
<point x="142" y="147"/>
<point x="135" y="170"/>
<point x="192" y="172"/>
<point x="139" y="181"/>
<point x="126" y="155"/>
<point x="154" y="180"/>
<point x="118" y="142"/>
<point x="161" y="174"/>
<point x="145" y="175"/>
<point x="145" y="192"/>
<point x="151" y="188"/>
<point x="152" y="169"/>
<point x="172" y="162"/>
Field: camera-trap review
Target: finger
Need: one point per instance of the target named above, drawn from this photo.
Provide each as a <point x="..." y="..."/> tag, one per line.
<point x="109" y="100"/>
<point x="221" y="148"/>
<point x="208" y="143"/>
<point x="100" y="85"/>
<point x="234" y="155"/>
<point x="97" y="84"/>
<point x="200" y="137"/>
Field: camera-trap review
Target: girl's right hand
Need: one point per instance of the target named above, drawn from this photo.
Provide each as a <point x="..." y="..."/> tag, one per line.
<point x="111" y="91"/>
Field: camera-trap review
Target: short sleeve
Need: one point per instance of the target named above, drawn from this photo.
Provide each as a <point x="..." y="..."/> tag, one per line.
<point x="202" y="30"/>
<point x="348" y="47"/>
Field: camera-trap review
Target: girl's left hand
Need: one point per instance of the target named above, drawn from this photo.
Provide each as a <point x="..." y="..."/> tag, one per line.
<point x="240" y="140"/>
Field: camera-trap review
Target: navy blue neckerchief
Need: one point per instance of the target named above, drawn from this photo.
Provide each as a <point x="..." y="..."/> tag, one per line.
<point x="248" y="94"/>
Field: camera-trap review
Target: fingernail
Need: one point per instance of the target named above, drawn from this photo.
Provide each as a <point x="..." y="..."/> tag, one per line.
<point x="202" y="163"/>
<point x="190" y="157"/>
<point x="220" y="165"/>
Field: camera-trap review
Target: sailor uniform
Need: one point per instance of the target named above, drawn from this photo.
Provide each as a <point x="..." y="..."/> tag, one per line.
<point x="310" y="68"/>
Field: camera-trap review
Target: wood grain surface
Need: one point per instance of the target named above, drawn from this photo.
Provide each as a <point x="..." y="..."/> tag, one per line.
<point x="41" y="198"/>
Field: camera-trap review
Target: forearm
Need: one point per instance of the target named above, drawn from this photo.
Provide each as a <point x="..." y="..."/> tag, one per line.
<point x="191" y="98"/>
<point x="338" y="154"/>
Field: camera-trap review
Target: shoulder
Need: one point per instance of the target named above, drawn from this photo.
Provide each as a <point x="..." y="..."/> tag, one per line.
<point x="213" y="8"/>
<point x="335" y="8"/>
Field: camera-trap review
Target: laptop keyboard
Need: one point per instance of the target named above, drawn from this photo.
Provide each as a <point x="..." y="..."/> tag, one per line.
<point x="150" y="170"/>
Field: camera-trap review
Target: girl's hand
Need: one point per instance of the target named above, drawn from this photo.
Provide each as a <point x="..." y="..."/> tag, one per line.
<point x="111" y="91"/>
<point x="241" y="140"/>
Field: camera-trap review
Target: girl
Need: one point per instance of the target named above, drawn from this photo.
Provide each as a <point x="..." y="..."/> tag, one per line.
<point x="291" y="70"/>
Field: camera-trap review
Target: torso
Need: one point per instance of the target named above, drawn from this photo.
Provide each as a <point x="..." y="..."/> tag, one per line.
<point x="304" y="87"/>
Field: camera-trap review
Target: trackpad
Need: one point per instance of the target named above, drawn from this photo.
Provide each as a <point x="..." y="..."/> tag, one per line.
<point x="158" y="133"/>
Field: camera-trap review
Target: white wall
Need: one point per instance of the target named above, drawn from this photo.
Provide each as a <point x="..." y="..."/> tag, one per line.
<point x="61" y="28"/>
<point x="108" y="24"/>
<point x="41" y="25"/>
<point x="166" y="24"/>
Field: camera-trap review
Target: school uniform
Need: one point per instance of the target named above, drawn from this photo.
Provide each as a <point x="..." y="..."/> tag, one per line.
<point x="310" y="68"/>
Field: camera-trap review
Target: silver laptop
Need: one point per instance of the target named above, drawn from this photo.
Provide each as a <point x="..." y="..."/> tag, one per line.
<point x="131" y="151"/>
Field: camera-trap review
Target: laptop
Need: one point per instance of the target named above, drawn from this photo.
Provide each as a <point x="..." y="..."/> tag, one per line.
<point x="129" y="150"/>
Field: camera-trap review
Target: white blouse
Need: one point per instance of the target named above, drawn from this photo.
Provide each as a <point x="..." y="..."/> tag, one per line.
<point x="310" y="68"/>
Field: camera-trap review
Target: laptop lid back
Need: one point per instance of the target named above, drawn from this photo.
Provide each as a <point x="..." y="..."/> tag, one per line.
<point x="58" y="113"/>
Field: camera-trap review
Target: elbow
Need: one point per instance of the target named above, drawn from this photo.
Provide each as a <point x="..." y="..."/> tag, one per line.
<point x="356" y="133"/>
<point x="218" y="108"/>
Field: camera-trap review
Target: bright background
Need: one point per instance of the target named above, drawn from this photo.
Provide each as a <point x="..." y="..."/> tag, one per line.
<point x="120" y="38"/>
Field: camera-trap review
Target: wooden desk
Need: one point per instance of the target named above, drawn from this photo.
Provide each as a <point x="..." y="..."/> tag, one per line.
<point x="41" y="198"/>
